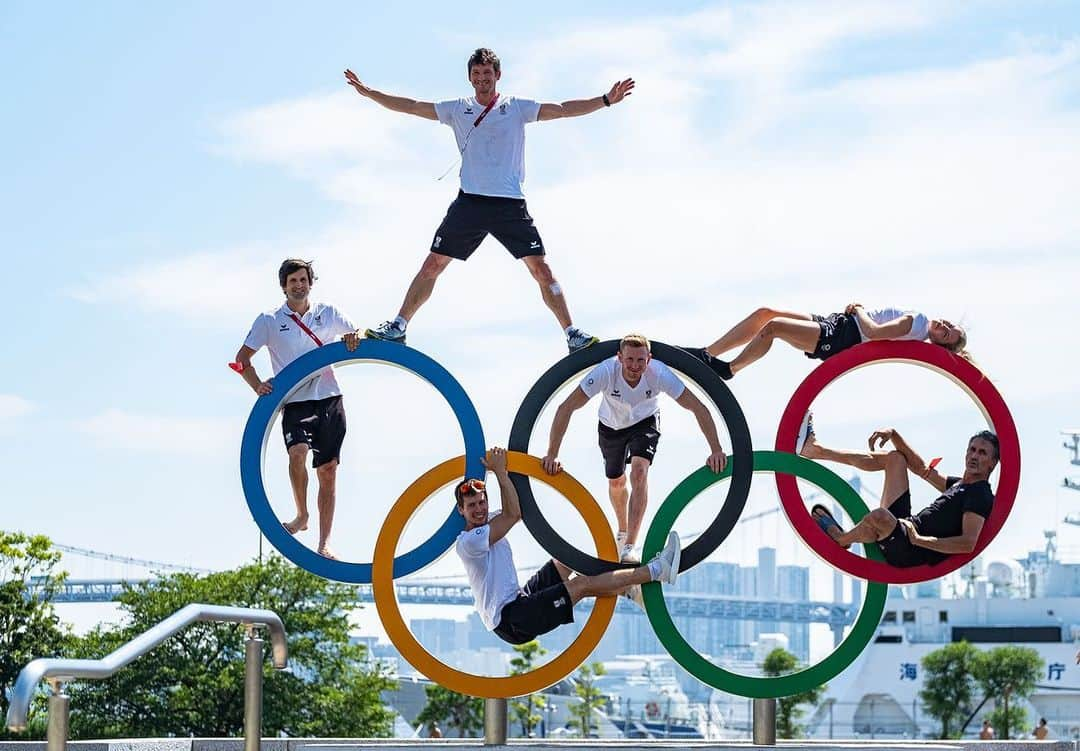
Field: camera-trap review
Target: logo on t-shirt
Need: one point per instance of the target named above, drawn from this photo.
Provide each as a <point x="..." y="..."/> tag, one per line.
<point x="438" y="241"/>
<point x="468" y="111"/>
<point x="648" y="393"/>
<point x="559" y="602"/>
<point x="284" y="327"/>
<point x="318" y="320"/>
<point x="615" y="393"/>
<point x="591" y="381"/>
<point x="502" y="109"/>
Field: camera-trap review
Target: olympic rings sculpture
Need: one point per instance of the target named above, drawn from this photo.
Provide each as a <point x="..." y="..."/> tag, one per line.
<point x="743" y="463"/>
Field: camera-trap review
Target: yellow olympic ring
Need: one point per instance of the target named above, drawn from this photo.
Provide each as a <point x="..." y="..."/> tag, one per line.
<point x="382" y="583"/>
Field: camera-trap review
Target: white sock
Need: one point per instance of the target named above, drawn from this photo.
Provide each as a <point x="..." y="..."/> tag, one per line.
<point x="400" y="322"/>
<point x="655" y="569"/>
<point x="570" y="329"/>
<point x="620" y="538"/>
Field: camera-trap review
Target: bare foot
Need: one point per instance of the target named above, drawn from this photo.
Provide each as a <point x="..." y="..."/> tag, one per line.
<point x="299" y="524"/>
<point x="325" y="552"/>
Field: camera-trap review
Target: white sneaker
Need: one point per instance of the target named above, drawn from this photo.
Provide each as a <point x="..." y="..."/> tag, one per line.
<point x="627" y="555"/>
<point x="806" y="429"/>
<point x="670" y="558"/>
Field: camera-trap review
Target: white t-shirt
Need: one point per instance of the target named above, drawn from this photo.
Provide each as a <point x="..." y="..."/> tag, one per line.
<point x="920" y="324"/>
<point x="278" y="332"/>
<point x="624" y="405"/>
<point x="491" y="572"/>
<point x="493" y="153"/>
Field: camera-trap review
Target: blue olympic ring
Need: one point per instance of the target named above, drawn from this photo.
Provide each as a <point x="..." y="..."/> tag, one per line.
<point x="257" y="432"/>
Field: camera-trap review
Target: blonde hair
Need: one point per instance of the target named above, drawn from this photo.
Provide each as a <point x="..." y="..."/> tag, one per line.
<point x="634" y="340"/>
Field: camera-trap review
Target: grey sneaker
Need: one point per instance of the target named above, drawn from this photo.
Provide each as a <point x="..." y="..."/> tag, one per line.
<point x="722" y="368"/>
<point x="670" y="558"/>
<point x="633" y="594"/>
<point x="388" y="331"/>
<point x="806" y="432"/>
<point x="578" y="340"/>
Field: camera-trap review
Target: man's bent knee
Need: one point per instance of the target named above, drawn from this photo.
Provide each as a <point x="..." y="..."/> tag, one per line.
<point x="894" y="460"/>
<point x="882" y="521"/>
<point x="298" y="453"/>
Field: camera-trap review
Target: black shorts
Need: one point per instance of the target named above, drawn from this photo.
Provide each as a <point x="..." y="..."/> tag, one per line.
<point x="320" y="423"/>
<point x="471" y="218"/>
<point x="897" y="548"/>
<point x="542" y="605"/>
<point x="839" y="331"/>
<point x="617" y="446"/>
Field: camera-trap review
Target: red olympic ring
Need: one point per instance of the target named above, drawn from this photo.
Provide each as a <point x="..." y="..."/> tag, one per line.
<point x="933" y="357"/>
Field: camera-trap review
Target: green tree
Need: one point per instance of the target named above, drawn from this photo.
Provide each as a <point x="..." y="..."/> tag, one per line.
<point x="193" y="683"/>
<point x="1006" y="674"/>
<point x="590" y="697"/>
<point x="949" y="685"/>
<point x="527" y="710"/>
<point x="29" y="627"/>
<point x="789" y="708"/>
<point x="454" y="710"/>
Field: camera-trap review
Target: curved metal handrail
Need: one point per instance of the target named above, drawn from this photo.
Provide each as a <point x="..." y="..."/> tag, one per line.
<point x="66" y="670"/>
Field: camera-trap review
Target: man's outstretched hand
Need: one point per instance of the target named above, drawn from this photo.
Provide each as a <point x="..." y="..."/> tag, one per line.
<point x="619" y="91"/>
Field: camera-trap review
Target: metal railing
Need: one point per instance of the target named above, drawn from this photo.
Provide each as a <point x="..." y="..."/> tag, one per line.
<point x="61" y="671"/>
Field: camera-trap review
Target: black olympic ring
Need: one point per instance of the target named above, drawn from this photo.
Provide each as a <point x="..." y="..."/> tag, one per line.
<point x="741" y="455"/>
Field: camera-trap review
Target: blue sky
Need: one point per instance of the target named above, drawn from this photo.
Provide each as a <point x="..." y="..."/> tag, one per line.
<point x="159" y="162"/>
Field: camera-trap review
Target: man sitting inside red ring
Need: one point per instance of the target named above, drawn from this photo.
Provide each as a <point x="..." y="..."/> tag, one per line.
<point x="948" y="526"/>
<point x="519" y="614"/>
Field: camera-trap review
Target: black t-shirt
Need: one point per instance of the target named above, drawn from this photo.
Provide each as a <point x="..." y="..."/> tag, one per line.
<point x="945" y="516"/>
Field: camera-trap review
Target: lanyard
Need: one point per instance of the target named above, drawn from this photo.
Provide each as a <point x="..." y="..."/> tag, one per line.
<point x="307" y="331"/>
<point x="486" y="111"/>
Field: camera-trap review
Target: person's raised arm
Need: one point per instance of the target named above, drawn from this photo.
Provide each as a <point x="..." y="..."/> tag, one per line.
<point x="577" y="107"/>
<point x="500" y="524"/>
<point x="395" y="103"/>
<point x="893" y="329"/>
<point x="717" y="460"/>
<point x="559" y="424"/>
<point x="916" y="464"/>
<point x="247" y="371"/>
<point x="965" y="542"/>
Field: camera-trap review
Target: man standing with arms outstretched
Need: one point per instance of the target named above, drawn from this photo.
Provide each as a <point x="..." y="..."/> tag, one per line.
<point x="490" y="131"/>
<point x="313" y="418"/>
<point x="631" y="383"/>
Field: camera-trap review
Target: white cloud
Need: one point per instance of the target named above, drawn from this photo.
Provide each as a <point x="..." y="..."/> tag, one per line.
<point x="734" y="177"/>
<point x="13" y="407"/>
<point x="161" y="434"/>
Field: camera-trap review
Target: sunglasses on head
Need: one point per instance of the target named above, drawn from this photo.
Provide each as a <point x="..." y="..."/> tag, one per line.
<point x="471" y="487"/>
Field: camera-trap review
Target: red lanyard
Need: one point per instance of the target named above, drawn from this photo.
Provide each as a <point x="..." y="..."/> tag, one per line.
<point x="486" y="110"/>
<point x="307" y="331"/>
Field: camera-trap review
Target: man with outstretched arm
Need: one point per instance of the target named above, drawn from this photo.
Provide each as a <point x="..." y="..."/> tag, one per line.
<point x="519" y="614"/>
<point x="948" y="526"/>
<point x="490" y="132"/>
<point x="313" y="418"/>
<point x="629" y="432"/>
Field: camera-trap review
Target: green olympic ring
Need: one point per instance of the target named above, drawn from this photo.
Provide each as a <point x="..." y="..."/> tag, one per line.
<point x="862" y="632"/>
